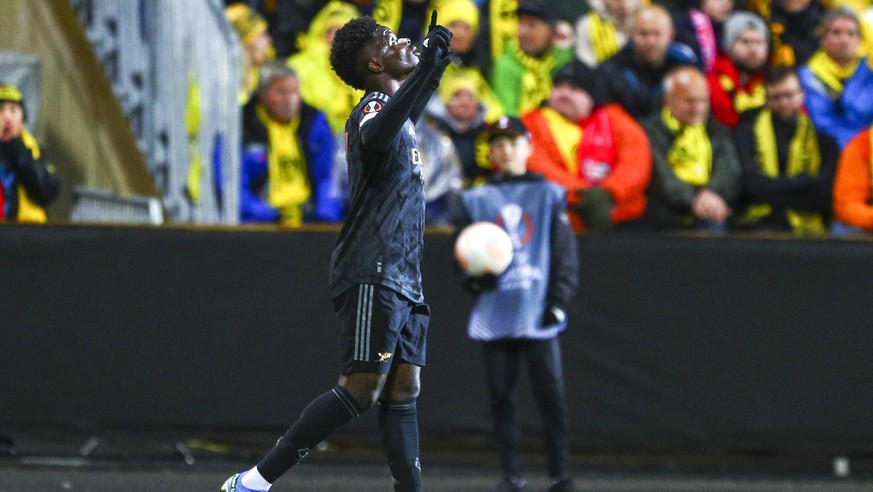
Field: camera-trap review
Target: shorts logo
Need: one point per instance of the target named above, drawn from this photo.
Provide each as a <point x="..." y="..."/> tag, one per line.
<point x="385" y="356"/>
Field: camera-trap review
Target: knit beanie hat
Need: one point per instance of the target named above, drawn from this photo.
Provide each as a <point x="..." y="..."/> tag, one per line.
<point x="740" y="22"/>
<point x="10" y="93"/>
<point x="13" y="94"/>
<point x="459" y="10"/>
<point x="581" y="76"/>
<point x="454" y="83"/>
<point x="247" y="22"/>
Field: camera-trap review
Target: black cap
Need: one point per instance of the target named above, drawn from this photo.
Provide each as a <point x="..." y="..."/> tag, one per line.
<point x="583" y="77"/>
<point x="538" y="8"/>
<point x="506" y="125"/>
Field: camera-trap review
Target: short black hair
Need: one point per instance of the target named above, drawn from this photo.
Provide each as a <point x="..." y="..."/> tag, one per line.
<point x="353" y="39"/>
<point x="777" y="73"/>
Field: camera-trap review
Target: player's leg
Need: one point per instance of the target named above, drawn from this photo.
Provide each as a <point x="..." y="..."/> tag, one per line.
<point x="361" y="380"/>
<point x="547" y="382"/>
<point x="398" y="412"/>
<point x="501" y="374"/>
<point x="319" y="419"/>
<point x="398" y="426"/>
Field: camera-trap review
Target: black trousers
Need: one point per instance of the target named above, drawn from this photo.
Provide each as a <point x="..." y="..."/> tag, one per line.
<point x="503" y="359"/>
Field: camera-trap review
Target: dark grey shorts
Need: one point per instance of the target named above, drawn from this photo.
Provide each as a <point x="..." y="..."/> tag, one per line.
<point x="378" y="326"/>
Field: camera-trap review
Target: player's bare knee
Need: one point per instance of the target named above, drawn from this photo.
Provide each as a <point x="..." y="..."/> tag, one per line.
<point x="402" y="390"/>
<point x="364" y="388"/>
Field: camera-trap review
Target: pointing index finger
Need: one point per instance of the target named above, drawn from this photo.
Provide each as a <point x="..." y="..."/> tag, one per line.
<point x="433" y="21"/>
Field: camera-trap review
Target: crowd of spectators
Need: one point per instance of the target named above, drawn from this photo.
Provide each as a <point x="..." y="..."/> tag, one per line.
<point x="716" y="115"/>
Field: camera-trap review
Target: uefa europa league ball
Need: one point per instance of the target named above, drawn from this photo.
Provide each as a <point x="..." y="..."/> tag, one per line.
<point x="483" y="248"/>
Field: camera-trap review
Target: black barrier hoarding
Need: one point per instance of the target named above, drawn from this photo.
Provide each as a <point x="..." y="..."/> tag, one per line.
<point x="676" y="344"/>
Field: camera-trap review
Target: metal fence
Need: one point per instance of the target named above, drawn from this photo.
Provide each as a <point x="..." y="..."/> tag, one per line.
<point x="175" y="68"/>
<point x="100" y="206"/>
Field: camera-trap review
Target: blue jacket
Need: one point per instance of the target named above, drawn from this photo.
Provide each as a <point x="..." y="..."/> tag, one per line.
<point x="318" y="148"/>
<point x="842" y="117"/>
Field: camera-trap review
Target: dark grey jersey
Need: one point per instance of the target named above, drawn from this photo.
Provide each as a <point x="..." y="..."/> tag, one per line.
<point x="382" y="238"/>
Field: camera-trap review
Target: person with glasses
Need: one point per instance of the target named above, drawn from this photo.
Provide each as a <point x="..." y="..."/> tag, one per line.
<point x="788" y="165"/>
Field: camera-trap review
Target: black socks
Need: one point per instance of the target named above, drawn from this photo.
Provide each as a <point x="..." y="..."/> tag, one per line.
<point x="398" y="425"/>
<point x="318" y="420"/>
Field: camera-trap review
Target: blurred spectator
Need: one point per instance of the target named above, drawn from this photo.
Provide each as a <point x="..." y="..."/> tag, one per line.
<point x="603" y="31"/>
<point x="441" y="170"/>
<point x="864" y="10"/>
<point x="407" y="18"/>
<point x="256" y="43"/>
<point x="462" y="18"/>
<point x="596" y="151"/>
<point x="736" y="83"/>
<point x="461" y="115"/>
<point x="636" y="73"/>
<point x="699" y="25"/>
<point x="286" y="20"/>
<point x="522" y="75"/>
<point x="571" y="10"/>
<point x="414" y="17"/>
<point x="27" y="182"/>
<point x="793" y="29"/>
<point x="696" y="174"/>
<point x="320" y="86"/>
<point x="788" y="166"/>
<point x="518" y="316"/>
<point x="837" y="79"/>
<point x="853" y="200"/>
<point x="287" y="154"/>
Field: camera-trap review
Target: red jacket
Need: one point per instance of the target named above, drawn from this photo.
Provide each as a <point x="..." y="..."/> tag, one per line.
<point x="631" y="169"/>
<point x="724" y="106"/>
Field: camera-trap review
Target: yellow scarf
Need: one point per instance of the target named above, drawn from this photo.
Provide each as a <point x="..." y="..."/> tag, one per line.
<point x="830" y="73"/>
<point x="28" y="210"/>
<point x="536" y="81"/>
<point x="743" y="101"/>
<point x="504" y="24"/>
<point x="604" y="37"/>
<point x="567" y="137"/>
<point x="803" y="157"/>
<point x="690" y="156"/>
<point x="288" y="178"/>
<point x="193" y="121"/>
